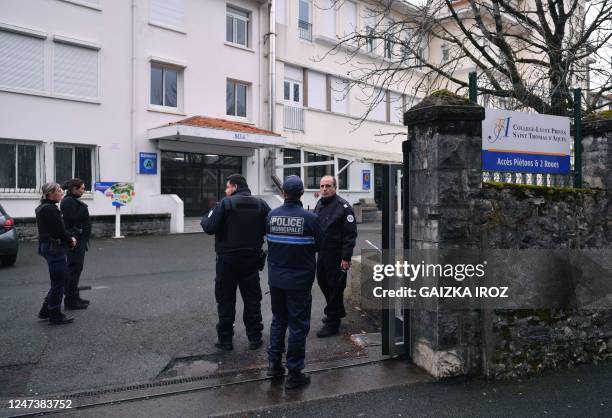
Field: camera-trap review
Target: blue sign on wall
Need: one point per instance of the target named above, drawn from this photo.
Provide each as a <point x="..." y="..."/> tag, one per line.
<point x="365" y="180"/>
<point x="147" y="163"/>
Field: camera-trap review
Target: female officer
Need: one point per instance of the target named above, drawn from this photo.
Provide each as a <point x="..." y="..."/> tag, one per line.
<point x="76" y="219"/>
<point x="54" y="242"/>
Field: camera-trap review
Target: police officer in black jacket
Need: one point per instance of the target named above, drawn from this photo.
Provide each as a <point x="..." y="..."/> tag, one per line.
<point x="294" y="236"/>
<point x="76" y="219"/>
<point x="239" y="225"/>
<point x="339" y="235"/>
<point x="54" y="243"/>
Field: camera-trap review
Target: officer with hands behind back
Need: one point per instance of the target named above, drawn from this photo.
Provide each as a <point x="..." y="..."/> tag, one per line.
<point x="340" y="233"/>
<point x="239" y="225"/>
<point x="53" y="244"/>
<point x="76" y="219"/>
<point x="294" y="236"/>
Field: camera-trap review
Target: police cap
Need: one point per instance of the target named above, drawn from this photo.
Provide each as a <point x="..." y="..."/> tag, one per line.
<point x="293" y="185"/>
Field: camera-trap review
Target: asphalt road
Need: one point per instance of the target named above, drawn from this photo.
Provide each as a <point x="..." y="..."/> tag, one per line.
<point x="152" y="302"/>
<point x="583" y="391"/>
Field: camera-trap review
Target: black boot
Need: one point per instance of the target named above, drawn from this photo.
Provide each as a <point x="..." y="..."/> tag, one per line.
<point x="74" y="305"/>
<point x="327" y="331"/>
<point x="225" y="345"/>
<point x="57" y="317"/>
<point x="83" y="301"/>
<point x="44" y="311"/>
<point x="255" y="344"/>
<point x="275" y="369"/>
<point x="296" y="379"/>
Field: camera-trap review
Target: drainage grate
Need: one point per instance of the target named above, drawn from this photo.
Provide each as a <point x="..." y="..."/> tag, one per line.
<point x="173" y="381"/>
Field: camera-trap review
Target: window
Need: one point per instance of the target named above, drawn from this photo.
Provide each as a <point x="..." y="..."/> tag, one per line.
<point x="292" y="159"/>
<point x="169" y="14"/>
<point x="22" y="61"/>
<point x="369" y="39"/>
<point x="18" y="166"/>
<point x="312" y="157"/>
<point x="343" y="176"/>
<point x="74" y="161"/>
<point x="292" y="171"/>
<point x="445" y="53"/>
<point x="237" y="26"/>
<point x="314" y="174"/>
<point x="328" y="18"/>
<point x="292" y="92"/>
<point x="236" y="100"/>
<point x="164" y="86"/>
<point x="75" y="70"/>
<point x="388" y="47"/>
<point x="304" y="20"/>
<point x="291" y="156"/>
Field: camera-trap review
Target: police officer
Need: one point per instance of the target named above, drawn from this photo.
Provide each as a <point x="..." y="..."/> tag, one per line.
<point x="53" y="244"/>
<point x="76" y="219"/>
<point x="294" y="235"/>
<point x="239" y="225"/>
<point x="340" y="232"/>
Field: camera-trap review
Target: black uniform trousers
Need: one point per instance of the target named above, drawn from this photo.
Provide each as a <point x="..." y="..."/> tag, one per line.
<point x="76" y="259"/>
<point x="332" y="281"/>
<point x="55" y="255"/>
<point x="290" y="308"/>
<point x="238" y="271"/>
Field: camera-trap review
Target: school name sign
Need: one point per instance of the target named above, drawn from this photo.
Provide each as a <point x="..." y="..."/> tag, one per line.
<point x="525" y="142"/>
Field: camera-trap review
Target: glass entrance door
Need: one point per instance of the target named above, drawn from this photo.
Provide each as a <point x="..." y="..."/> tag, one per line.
<point x="198" y="179"/>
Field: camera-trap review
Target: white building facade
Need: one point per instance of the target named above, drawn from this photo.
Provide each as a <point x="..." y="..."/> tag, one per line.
<point x="87" y="86"/>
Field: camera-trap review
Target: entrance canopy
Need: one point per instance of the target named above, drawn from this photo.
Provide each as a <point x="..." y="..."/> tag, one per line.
<point x="218" y="135"/>
<point x="369" y="156"/>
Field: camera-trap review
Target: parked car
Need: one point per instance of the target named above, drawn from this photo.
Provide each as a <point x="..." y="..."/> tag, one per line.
<point x="9" y="246"/>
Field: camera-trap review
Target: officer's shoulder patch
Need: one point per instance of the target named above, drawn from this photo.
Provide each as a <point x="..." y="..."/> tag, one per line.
<point x="350" y="218"/>
<point x="346" y="205"/>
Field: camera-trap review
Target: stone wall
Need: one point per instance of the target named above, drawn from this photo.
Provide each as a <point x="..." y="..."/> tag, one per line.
<point x="522" y="342"/>
<point x="530" y="341"/>
<point x="104" y="225"/>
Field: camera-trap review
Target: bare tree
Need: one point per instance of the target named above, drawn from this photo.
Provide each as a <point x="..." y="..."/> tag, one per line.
<point x="528" y="54"/>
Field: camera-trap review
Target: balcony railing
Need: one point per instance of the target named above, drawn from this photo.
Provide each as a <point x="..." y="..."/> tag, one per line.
<point x="293" y="118"/>
<point x="305" y="30"/>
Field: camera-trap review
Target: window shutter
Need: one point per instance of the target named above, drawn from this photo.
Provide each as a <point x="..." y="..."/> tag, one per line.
<point x="379" y="110"/>
<point x="168" y="13"/>
<point x="397" y="108"/>
<point x="350" y="17"/>
<point x="317" y="97"/>
<point x="75" y="70"/>
<point x="328" y="18"/>
<point x="22" y="61"/>
<point x="339" y="96"/>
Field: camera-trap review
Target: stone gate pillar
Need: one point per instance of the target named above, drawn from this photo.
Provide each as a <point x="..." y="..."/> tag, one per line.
<point x="444" y="160"/>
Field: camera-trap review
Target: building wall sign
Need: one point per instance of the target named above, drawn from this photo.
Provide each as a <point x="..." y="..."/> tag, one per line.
<point x="147" y="163"/>
<point x="525" y="142"/>
<point x="365" y="180"/>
